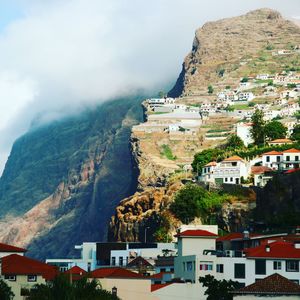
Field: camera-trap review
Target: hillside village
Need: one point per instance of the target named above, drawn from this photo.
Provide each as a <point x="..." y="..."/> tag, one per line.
<point x="207" y="140"/>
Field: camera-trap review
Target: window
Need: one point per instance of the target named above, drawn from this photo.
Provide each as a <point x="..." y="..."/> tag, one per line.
<point x="239" y="271"/>
<point x="220" y="268"/>
<point x="234" y="164"/>
<point x="260" y="266"/>
<point x="121" y="261"/>
<point x="292" y="266"/>
<point x="10" y="277"/>
<point x="231" y="179"/>
<point x="113" y="261"/>
<point x="226" y="179"/>
<point x="31" y="278"/>
<point x="278" y="158"/>
<point x="184" y="266"/>
<point x="206" y="266"/>
<point x="63" y="269"/>
<point x="288" y="158"/>
<point x="163" y="269"/>
<point x="189" y="266"/>
<point x="276" y="265"/>
<point x="296" y="158"/>
<point x="268" y="158"/>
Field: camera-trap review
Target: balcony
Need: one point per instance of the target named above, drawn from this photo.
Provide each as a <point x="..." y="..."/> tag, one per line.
<point x="227" y="253"/>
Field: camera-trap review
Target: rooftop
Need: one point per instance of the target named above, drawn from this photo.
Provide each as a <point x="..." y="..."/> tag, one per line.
<point x="274" y="284"/>
<point x="15" y="264"/>
<point x="272" y="153"/>
<point x="233" y="158"/>
<point x="115" y="273"/>
<point x="281" y="141"/>
<point x="10" y="248"/>
<point x="278" y="249"/>
<point x="293" y="150"/>
<point x="196" y="233"/>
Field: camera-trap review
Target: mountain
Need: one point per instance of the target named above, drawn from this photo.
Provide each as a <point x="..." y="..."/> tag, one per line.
<point x="226" y="50"/>
<point x="63" y="180"/>
<point x="223" y="52"/>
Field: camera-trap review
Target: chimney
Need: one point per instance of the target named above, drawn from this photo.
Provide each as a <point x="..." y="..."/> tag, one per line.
<point x="246" y="234"/>
<point x="268" y="248"/>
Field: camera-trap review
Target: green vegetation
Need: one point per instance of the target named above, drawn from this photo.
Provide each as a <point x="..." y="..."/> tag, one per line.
<point x="161" y="94"/>
<point x="230" y="108"/>
<point x="5" y="291"/>
<point x="221" y="72"/>
<point x="234" y="142"/>
<point x="257" y="130"/>
<point x="62" y="288"/>
<point x="162" y="234"/>
<point x="167" y="152"/>
<point x="218" y="289"/>
<point x="275" y="130"/>
<point x="296" y="133"/>
<point x="241" y="106"/>
<point x="270" y="47"/>
<point x="206" y="156"/>
<point x="194" y="201"/>
<point x="245" y="79"/>
<point x="210" y="89"/>
<point x="227" y="87"/>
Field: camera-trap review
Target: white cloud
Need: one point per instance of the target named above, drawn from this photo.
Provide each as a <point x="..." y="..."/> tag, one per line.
<point x="65" y="53"/>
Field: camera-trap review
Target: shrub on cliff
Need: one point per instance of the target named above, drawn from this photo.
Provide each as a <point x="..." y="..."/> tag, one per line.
<point x="194" y="201"/>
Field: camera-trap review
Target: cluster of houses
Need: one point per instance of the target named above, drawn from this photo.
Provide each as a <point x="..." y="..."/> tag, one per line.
<point x="234" y="170"/>
<point x="171" y="270"/>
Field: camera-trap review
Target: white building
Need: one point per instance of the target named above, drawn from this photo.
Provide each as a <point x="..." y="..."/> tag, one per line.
<point x="245" y="96"/>
<point x="243" y="131"/>
<point x="229" y="171"/>
<point x="197" y="257"/>
<point x="285" y="160"/>
<point x="262" y="76"/>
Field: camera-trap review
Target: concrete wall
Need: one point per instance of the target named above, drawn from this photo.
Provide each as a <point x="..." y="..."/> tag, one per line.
<point x="129" y="289"/>
<point x="21" y="282"/>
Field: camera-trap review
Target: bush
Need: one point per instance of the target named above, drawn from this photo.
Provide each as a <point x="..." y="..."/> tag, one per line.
<point x="210" y="89"/>
<point x="194" y="201"/>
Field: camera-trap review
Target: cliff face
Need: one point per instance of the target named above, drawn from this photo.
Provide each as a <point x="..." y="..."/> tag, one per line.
<point x="224" y="50"/>
<point x="278" y="204"/>
<point x="62" y="182"/>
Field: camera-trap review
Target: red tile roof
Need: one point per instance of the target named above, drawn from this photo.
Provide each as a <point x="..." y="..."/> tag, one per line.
<point x="278" y="249"/>
<point x="274" y="284"/>
<point x="15" y="264"/>
<point x="159" y="275"/>
<point x="292" y="171"/>
<point x="234" y="236"/>
<point x="233" y="158"/>
<point x="293" y="150"/>
<point x="155" y="287"/>
<point x="9" y="248"/>
<point x="273" y="153"/>
<point x="115" y="273"/>
<point x="260" y="169"/>
<point x="197" y="232"/>
<point x="76" y="271"/>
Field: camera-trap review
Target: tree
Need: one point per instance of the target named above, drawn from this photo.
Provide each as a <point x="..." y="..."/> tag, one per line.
<point x="296" y="133"/>
<point x="62" y="288"/>
<point x="206" y="156"/>
<point x="258" y="127"/>
<point x="275" y="130"/>
<point x="235" y="142"/>
<point x="210" y="89"/>
<point x="245" y="79"/>
<point x="5" y="291"/>
<point x="218" y="289"/>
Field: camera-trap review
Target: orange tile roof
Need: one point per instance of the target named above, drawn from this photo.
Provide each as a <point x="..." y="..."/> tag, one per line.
<point x="211" y="164"/>
<point x="274" y="284"/>
<point x="260" y="169"/>
<point x="15" y="264"/>
<point x="293" y="150"/>
<point x="233" y="158"/>
<point x="197" y="232"/>
<point x="10" y="248"/>
<point x="283" y="141"/>
<point x="273" y="153"/>
<point x="114" y="273"/>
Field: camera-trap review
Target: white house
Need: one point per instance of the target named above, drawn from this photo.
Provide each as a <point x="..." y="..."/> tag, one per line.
<point x="262" y="76"/>
<point x="245" y="96"/>
<point x="197" y="256"/>
<point x="229" y="171"/>
<point x="243" y="131"/>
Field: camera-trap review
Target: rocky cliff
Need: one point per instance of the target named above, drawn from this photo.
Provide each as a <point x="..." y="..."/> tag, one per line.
<point x="225" y="50"/>
<point x="222" y="53"/>
<point x="62" y="181"/>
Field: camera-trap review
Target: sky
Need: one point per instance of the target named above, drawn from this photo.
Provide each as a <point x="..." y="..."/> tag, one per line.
<point x="57" y="56"/>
